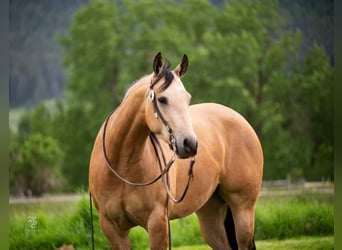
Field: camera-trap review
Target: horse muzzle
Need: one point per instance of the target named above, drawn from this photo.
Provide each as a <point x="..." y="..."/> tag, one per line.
<point x="186" y="147"/>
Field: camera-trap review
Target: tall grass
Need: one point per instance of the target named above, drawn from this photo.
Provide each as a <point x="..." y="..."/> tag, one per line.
<point x="276" y="218"/>
<point x="302" y="243"/>
<point x="292" y="217"/>
<point x="55" y="229"/>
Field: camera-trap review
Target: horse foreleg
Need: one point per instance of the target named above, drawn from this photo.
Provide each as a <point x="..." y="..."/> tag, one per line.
<point x="211" y="217"/>
<point x="157" y="227"/>
<point x="118" y="239"/>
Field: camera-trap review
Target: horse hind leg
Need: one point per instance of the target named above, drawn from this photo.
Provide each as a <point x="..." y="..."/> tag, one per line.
<point x="211" y="217"/>
<point x="240" y="222"/>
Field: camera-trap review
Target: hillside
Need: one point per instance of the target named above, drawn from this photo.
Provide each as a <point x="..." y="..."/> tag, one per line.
<point x="36" y="71"/>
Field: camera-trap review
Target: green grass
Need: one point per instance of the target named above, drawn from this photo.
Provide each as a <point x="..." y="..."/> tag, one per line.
<point x="304" y="222"/>
<point x="303" y="243"/>
<point x="294" y="216"/>
<point x="183" y="231"/>
<point x="52" y="208"/>
<point x="194" y="247"/>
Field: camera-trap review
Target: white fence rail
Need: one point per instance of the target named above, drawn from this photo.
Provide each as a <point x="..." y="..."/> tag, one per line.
<point x="288" y="187"/>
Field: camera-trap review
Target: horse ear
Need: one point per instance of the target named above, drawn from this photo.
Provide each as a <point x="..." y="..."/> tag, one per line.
<point x="182" y="67"/>
<point x="157" y="63"/>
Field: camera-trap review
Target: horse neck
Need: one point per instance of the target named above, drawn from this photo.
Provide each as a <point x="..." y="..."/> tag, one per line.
<point x="127" y="130"/>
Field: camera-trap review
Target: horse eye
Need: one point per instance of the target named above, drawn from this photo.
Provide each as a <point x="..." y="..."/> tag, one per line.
<point x="162" y="100"/>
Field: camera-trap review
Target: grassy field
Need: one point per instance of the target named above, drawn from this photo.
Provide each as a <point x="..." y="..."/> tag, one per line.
<point x="293" y="222"/>
<point x="303" y="243"/>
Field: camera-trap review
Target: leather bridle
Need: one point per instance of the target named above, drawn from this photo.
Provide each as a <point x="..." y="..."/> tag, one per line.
<point x="155" y="143"/>
<point x="152" y="98"/>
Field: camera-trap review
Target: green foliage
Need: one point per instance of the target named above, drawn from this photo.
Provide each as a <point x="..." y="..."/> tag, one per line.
<point x="90" y="54"/>
<point x="36" y="156"/>
<point x="302" y="243"/>
<point x="315" y="81"/>
<point x="74" y="129"/>
<point x="293" y="217"/>
<point x="50" y="231"/>
<point x="35" y="165"/>
<point x="276" y="218"/>
<point x="186" y="230"/>
<point x="90" y="59"/>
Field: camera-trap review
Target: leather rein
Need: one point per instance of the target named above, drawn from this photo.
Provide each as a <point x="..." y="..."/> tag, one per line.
<point x="164" y="171"/>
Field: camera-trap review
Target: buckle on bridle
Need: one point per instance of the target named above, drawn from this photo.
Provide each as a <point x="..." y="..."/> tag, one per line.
<point x="173" y="143"/>
<point x="151" y="95"/>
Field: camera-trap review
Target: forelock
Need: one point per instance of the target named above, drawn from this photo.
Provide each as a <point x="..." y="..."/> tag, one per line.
<point x="167" y="74"/>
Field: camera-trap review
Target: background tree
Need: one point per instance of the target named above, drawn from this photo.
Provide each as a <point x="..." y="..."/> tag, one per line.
<point x="35" y="155"/>
<point x="91" y="60"/>
<point x="37" y="169"/>
<point x="310" y="100"/>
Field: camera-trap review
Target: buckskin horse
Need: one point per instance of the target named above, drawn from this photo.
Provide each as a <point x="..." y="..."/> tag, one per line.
<point x="216" y="163"/>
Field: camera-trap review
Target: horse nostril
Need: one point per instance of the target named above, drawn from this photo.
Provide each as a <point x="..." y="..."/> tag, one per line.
<point x="190" y="146"/>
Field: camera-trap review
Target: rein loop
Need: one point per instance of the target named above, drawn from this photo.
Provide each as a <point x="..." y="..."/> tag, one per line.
<point x="109" y="165"/>
<point x="155" y="143"/>
<point x="163" y="171"/>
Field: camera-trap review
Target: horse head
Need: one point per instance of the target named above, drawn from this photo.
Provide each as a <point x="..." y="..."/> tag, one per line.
<point x="167" y="108"/>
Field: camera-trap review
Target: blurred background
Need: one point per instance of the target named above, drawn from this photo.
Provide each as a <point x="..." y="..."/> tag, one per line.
<point x="72" y="61"/>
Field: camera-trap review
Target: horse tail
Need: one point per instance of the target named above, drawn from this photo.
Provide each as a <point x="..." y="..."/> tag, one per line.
<point x="230" y="229"/>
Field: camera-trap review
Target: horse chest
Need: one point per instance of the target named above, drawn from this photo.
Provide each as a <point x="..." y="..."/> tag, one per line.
<point x="130" y="206"/>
